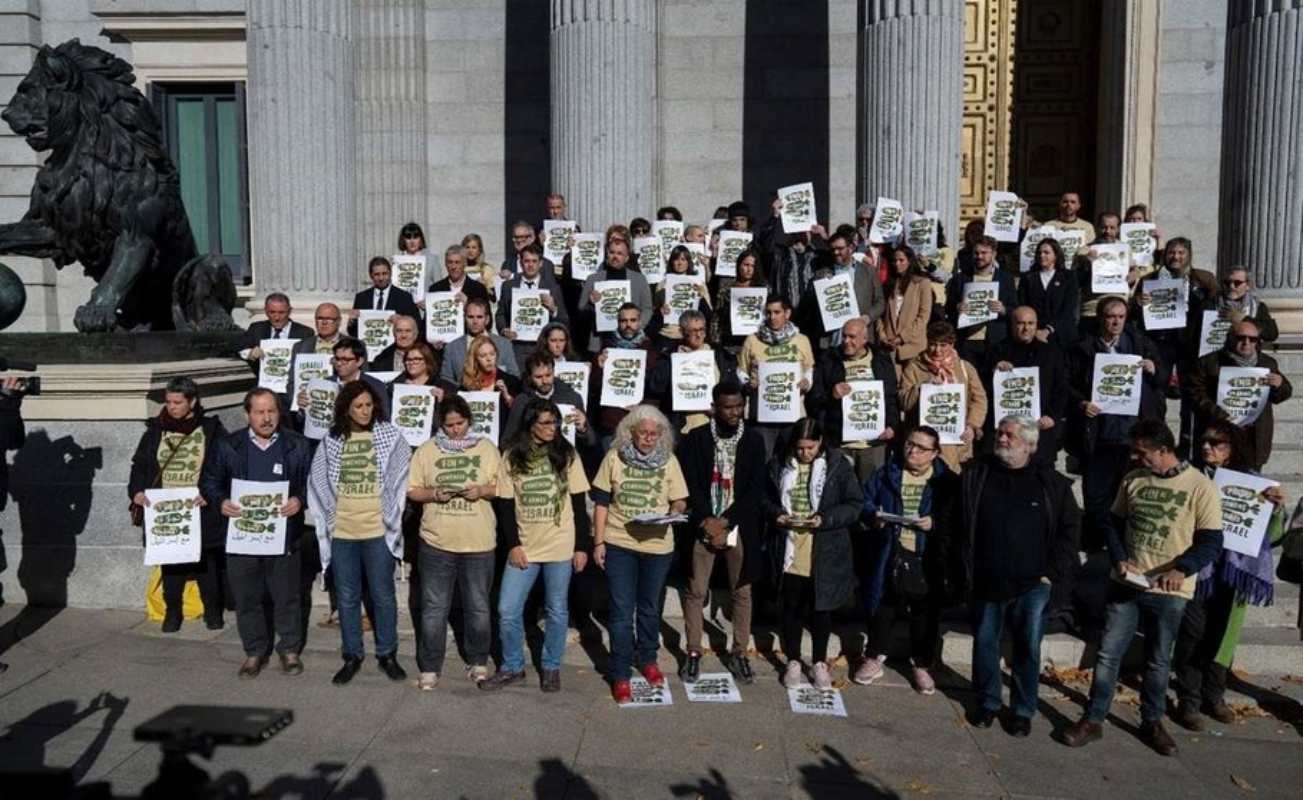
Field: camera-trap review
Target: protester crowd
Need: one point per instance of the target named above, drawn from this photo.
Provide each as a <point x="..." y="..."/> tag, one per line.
<point x="936" y="512"/>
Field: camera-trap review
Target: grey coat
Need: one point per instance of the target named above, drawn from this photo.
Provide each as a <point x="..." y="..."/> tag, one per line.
<point x="454" y="358"/>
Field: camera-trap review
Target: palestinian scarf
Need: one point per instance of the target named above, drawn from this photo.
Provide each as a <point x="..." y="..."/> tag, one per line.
<point x="657" y="458"/>
<point x="772" y="337"/>
<point x="447" y="444"/>
<point x="722" y="476"/>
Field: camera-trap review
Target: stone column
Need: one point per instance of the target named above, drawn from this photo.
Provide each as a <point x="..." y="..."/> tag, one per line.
<point x="603" y="108"/>
<point x="302" y="150"/>
<point x="391" y="113"/>
<point x="911" y="106"/>
<point x="1262" y="164"/>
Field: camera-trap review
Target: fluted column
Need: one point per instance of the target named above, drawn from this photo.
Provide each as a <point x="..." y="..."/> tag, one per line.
<point x="911" y="104"/>
<point x="1262" y="163"/>
<point x="302" y="148"/>
<point x="603" y="108"/>
<point x="391" y="113"/>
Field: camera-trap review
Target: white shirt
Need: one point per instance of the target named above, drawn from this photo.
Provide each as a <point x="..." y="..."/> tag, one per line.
<point x="378" y="302"/>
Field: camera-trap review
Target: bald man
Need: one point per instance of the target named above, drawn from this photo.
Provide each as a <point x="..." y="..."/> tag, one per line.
<point x="854" y="361"/>
<point x="1024" y="350"/>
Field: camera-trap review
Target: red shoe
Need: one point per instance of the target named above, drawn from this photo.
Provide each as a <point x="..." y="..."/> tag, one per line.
<point x="622" y="692"/>
<point x="653" y="674"/>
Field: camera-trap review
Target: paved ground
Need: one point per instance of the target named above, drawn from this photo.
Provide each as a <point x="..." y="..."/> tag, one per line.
<point x="78" y="686"/>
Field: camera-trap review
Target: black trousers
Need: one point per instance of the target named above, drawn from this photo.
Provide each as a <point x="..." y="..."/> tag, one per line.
<point x="924" y="619"/>
<point x="798" y="610"/>
<point x="253" y="579"/>
<point x="1201" y="679"/>
<point x="205" y="572"/>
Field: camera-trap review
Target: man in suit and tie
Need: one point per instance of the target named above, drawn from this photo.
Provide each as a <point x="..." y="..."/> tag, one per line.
<point x="382" y="296"/>
<point x="476" y="321"/>
<point x="531" y="277"/>
<point x="277" y="325"/>
<point x="326" y="319"/>
<point x="454" y="261"/>
<point x="522" y="236"/>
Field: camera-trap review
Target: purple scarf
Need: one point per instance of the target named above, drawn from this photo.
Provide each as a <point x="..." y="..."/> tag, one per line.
<point x="1252" y="577"/>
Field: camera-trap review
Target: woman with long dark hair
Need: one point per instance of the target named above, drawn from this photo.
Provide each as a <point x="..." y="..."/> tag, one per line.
<point x="1051" y="289"/>
<point x="665" y="335"/>
<point x="902" y="329"/>
<point x="750" y="275"/>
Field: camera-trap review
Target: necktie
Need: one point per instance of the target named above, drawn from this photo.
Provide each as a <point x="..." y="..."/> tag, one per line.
<point x="275" y="334"/>
<point x="529" y="284"/>
<point x="380" y="299"/>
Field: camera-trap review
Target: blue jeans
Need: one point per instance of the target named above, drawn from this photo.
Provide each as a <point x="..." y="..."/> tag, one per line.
<point x="349" y="558"/>
<point x="1159" y="616"/>
<point x="442" y="571"/>
<point x="1026" y="616"/>
<point x="516" y="584"/>
<point x="637" y="582"/>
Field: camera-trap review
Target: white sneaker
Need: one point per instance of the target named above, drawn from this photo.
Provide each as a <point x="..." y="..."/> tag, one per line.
<point x="869" y="671"/>
<point x="792" y="676"/>
<point x="822" y="677"/>
<point x="428" y="681"/>
<point x="477" y="672"/>
<point x="923" y="681"/>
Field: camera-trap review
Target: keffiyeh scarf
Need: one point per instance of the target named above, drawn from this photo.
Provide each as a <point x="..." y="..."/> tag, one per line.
<point x="722" y="476"/>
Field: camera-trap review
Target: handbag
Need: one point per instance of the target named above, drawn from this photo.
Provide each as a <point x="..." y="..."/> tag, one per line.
<point x="137" y="511"/>
<point x="906" y="575"/>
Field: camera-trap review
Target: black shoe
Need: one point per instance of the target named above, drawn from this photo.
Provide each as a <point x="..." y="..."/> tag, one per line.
<point x="1187" y="716"/>
<point x="550" y="680"/>
<point x="691" y="669"/>
<point x="1154" y="735"/>
<point x="982" y="718"/>
<point x="390" y="667"/>
<point x="214" y="623"/>
<point x="346" y="672"/>
<point x="501" y="679"/>
<point x="172" y="620"/>
<point x="740" y="667"/>
<point x="1020" y="727"/>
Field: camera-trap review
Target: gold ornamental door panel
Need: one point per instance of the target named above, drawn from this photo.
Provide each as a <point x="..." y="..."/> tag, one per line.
<point x="988" y="85"/>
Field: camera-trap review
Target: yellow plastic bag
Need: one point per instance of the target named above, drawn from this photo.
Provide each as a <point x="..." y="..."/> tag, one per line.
<point x="192" y="607"/>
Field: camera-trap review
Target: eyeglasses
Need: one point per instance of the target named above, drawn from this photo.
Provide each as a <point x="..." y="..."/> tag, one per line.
<point x="346" y="359"/>
<point x="1244" y="337"/>
<point x="327" y="319"/>
<point x="524" y="238"/>
<point x="918" y="448"/>
<point x="1232" y="284"/>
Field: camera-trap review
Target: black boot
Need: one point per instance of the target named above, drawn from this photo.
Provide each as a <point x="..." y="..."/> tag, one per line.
<point x="172" y="619"/>
<point x="346" y="672"/>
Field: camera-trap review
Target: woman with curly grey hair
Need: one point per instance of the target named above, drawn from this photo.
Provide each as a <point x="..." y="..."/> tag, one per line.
<point x="638" y="481"/>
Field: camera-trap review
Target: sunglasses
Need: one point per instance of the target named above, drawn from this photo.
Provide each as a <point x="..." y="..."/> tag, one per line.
<point x="1240" y="337"/>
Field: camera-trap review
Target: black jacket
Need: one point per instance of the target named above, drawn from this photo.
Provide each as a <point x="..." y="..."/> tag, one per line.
<point x="145" y="469"/>
<point x="397" y="300"/>
<point x="13" y="434"/>
<point x="997" y="329"/>
<point x="1054" y="387"/>
<point x="1083" y="431"/>
<point x="230" y="460"/>
<point x="1057" y="305"/>
<point x="473" y="289"/>
<point x="830" y="371"/>
<point x="261" y="329"/>
<point x="696" y="454"/>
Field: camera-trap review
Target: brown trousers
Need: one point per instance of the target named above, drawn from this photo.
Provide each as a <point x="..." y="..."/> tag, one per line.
<point x="694" y="597"/>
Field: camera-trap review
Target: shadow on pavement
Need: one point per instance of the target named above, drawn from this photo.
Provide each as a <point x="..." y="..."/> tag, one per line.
<point x="558" y="780"/>
<point x="834" y="776"/>
<point x="23" y="745"/>
<point x="324" y="782"/>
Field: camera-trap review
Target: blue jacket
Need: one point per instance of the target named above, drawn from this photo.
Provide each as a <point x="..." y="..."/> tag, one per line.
<point x="230" y="459"/>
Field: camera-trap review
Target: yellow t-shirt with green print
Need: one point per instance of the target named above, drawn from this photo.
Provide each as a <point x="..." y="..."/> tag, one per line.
<point x="802" y="508"/>
<point x="186" y="463"/>
<point x="545" y="520"/>
<point x="357" y="505"/>
<point x="459" y="525"/>
<point x="1162" y="515"/>
<point x="637" y="491"/>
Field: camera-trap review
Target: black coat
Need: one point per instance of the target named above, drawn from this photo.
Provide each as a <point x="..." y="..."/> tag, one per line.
<point x="473" y="289"/>
<point x="145" y="469"/>
<point x="997" y="329"/>
<point x="1057" y="305"/>
<point x="12" y="436"/>
<point x="832" y="565"/>
<point x="229" y="460"/>
<point x="397" y="300"/>
<point x="830" y="371"/>
<point x="261" y="329"/>
<point x="696" y="454"/>
<point x="1054" y="387"/>
<point x="1082" y="430"/>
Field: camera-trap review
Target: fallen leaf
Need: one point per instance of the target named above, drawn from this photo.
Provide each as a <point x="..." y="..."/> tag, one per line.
<point x="840" y="683"/>
<point x="916" y="785"/>
<point x="758" y="746"/>
<point x="814" y="747"/>
<point x="1293" y="679"/>
<point x="1241" y="783"/>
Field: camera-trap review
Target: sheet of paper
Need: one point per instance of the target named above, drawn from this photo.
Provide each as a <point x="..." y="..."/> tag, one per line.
<point x="779" y="392"/>
<point x="528" y="314"/>
<point x="408" y="274"/>
<point x="1115" y="386"/>
<point x="260" y="528"/>
<point x="586" y="255"/>
<point x="1167" y="305"/>
<point x="1109" y="267"/>
<point x="922" y="232"/>
<point x="1003" y="216"/>
<point x="173" y="531"/>
<point x="444" y="320"/>
<point x="624" y="378"/>
<point x="1243" y="393"/>
<point x="376" y="330"/>
<point x="1212" y="332"/>
<point x="888" y="221"/>
<point x="797" y="210"/>
<point x="864" y="411"/>
<point x="1027" y="250"/>
<point x="274" y="366"/>
<point x="1139" y="237"/>
<point x="484" y="414"/>
<point x="647" y="696"/>
<point x="1245" y="512"/>
<point x="574" y="374"/>
<point x="692" y="377"/>
<point x="556" y="238"/>
<point x="837" y="301"/>
<point x="652" y="518"/>
<point x="821" y="702"/>
<point x="568" y="429"/>
<point x="899" y="519"/>
<point x="607" y="308"/>
<point x="713" y="687"/>
<point x="944" y="406"/>
<point x="731" y="245"/>
<point x="309" y="367"/>
<point x="978" y="297"/>
<point x="746" y="309"/>
<point x="650" y="260"/>
<point x="681" y="295"/>
<point x="320" y="410"/>
<point x="1017" y="393"/>
<point x="413" y="410"/>
<point x="670" y="232"/>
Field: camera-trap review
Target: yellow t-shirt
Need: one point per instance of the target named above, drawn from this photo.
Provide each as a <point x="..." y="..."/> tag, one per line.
<point x="911" y="497"/>
<point x="859" y="369"/>
<point x="1162" y="515"/>
<point x="1078" y="224"/>
<point x="544" y="519"/>
<point x="755" y="351"/>
<point x="637" y="491"/>
<point x="357" y="506"/>
<point x="802" y="540"/>
<point x="183" y="470"/>
<point x="459" y="525"/>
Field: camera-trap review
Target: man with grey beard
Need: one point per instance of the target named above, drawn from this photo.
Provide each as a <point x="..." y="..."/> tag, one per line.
<point x="1016" y="536"/>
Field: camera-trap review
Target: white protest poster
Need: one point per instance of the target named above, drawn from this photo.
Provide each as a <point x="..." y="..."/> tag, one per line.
<point x="1071" y="240"/>
<point x="1115" y="385"/>
<point x="573" y="374"/>
<point x="612" y="295"/>
<point x="1003" y="216"/>
<point x="556" y="239"/>
<point x="837" y="302"/>
<point x="484" y="414"/>
<point x="309" y="367"/>
<point x="713" y="687"/>
<point x="797" y="207"/>
<point x="650" y="261"/>
<point x="1109" y="267"/>
<point x="1017" y="393"/>
<point x="173" y="531"/>
<point x="260" y="528"/>
<point x="528" y="315"/>
<point x="647" y="696"/>
<point x="1139" y="238"/>
<point x="779" y="392"/>
<point x="731" y="245"/>
<point x="692" y="377"/>
<point x="680" y="295"/>
<point x="385" y="376"/>
<point x="713" y="225"/>
<point x="376" y="331"/>
<point x="409" y="275"/>
<point x="700" y="259"/>
<point x="320" y="411"/>
<point x="670" y="233"/>
<point x="978" y="297"/>
<point x="568" y="429"/>
<point x="746" y="308"/>
<point x="944" y="406"/>
<point x="586" y="255"/>
<point x="1027" y="252"/>
<point x="888" y="221"/>
<point x="1212" y="332"/>
<point x="413" y="412"/>
<point x="1245" y="512"/>
<point x="1166" y="308"/>
<point x="922" y="232"/>
<point x="274" y="366"/>
<point x="443" y="317"/>
<point x="822" y="702"/>
<point x="864" y="411"/>
<point x="1243" y="393"/>
<point x="623" y="378"/>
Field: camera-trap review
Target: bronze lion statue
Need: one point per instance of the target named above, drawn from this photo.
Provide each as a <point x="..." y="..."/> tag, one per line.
<point x="108" y="196"/>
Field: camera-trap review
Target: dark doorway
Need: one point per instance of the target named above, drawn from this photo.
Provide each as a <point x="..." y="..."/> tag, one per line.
<point x="527" y="135"/>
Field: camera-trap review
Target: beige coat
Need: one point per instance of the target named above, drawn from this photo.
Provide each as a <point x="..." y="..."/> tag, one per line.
<point x="914" y="375"/>
<point x="910" y="324"/>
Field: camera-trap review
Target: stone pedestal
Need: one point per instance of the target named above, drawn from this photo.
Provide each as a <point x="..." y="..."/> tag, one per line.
<point x="302" y="149"/>
<point x="1262" y="163"/>
<point x="603" y="69"/>
<point x="911" y="105"/>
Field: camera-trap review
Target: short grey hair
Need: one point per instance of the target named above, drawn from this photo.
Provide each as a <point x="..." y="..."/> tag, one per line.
<point x="865" y="208"/>
<point x="691" y="315"/>
<point x="454" y="250"/>
<point x="1027" y="429"/>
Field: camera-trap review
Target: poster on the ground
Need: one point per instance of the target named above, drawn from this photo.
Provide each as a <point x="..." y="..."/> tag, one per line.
<point x="864" y="411"/>
<point x="731" y="245"/>
<point x="746" y="308"/>
<point x="409" y="275"/>
<point x="528" y="314"/>
<point x="680" y="295"/>
<point x="692" y="377"/>
<point x="586" y="255"/>
<point x="624" y="376"/>
<point x="1245" y="512"/>
<point x="647" y="696"/>
<point x="651" y="262"/>
<point x="888" y="222"/>
<point x="978" y="297"/>
<point x="260" y="528"/>
<point x="1017" y="393"/>
<point x="484" y="414"/>
<point x="308" y="367"/>
<point x="922" y="232"/>
<point x="575" y="375"/>
<point x="1213" y="329"/>
<point x="1243" y="393"/>
<point x="837" y="302"/>
<point x="444" y="321"/>
<point x="274" y="366"/>
<point x="173" y="532"/>
<point x="320" y="410"/>
<point x="1115" y="385"/>
<point x="670" y="232"/>
<point x="376" y="330"/>
<point x="944" y="406"/>
<point x="413" y="410"/>
<point x="612" y="295"/>
<point x="779" y="392"/>
<point x="1003" y="216"/>
<point x="821" y="702"/>
<point x="1109" y="265"/>
<point x="1139" y="238"/>
<point x="568" y="429"/>
<point x="556" y="238"/>
<point x="1167" y="306"/>
<point x="797" y="207"/>
<point x="713" y="687"/>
